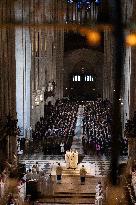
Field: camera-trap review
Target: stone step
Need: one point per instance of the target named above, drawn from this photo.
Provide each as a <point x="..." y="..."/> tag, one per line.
<point x="75" y="172"/>
<point x="61" y="204"/>
<point x="73" y="194"/>
<point x="70" y="191"/>
<point x="101" y="166"/>
<point x="68" y="200"/>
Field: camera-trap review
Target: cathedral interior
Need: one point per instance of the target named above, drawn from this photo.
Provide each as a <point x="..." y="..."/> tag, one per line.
<point x="68" y="102"/>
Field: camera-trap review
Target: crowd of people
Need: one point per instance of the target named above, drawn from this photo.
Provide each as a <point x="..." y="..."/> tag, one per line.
<point x="55" y="130"/>
<point x="97" y="128"/>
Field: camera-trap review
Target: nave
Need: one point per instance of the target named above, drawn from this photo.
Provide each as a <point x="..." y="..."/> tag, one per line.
<point x="70" y="191"/>
<point x="78" y="50"/>
<point x="69" y="125"/>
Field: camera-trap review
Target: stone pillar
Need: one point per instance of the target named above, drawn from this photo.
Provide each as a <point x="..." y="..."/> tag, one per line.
<point x="133" y="70"/>
<point x="47" y="54"/>
<point x="43" y="61"/>
<point x="126" y="98"/>
<point x="59" y="64"/>
<point x="108" y="66"/>
<point x="59" y="36"/>
<point x="23" y="68"/>
<point x="127" y="9"/>
<point x="126" y="94"/>
<point x="7" y="78"/>
<point x="38" y="73"/>
<point x="133" y="83"/>
<point x="55" y="49"/>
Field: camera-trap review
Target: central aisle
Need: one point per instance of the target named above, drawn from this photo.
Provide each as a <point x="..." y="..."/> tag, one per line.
<point x="77" y="139"/>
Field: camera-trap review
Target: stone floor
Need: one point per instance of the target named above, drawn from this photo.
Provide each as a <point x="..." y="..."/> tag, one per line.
<point x="70" y="191"/>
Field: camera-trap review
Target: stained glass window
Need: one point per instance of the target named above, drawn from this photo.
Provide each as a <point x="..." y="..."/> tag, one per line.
<point x="89" y="78"/>
<point x="86" y="3"/>
<point x="76" y="78"/>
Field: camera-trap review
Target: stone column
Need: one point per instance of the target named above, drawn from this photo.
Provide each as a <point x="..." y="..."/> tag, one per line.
<point x="133" y="83"/>
<point x="59" y="53"/>
<point x="133" y="70"/>
<point x="47" y="54"/>
<point x="42" y="40"/>
<point x="59" y="64"/>
<point x="7" y="77"/>
<point x="127" y="9"/>
<point x="126" y="94"/>
<point x="23" y="68"/>
<point x="108" y="66"/>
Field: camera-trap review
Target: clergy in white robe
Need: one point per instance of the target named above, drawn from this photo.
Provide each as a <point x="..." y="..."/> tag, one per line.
<point x="73" y="161"/>
<point x="67" y="155"/>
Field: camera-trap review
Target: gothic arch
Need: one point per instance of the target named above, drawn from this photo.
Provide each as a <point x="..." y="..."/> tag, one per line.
<point x="92" y="60"/>
<point x="83" y="64"/>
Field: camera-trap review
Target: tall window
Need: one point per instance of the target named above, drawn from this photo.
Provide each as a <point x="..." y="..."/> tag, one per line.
<point x="76" y="78"/>
<point x="89" y="78"/>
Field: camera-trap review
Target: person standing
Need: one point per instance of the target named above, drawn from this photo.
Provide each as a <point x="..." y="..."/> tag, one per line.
<point x="62" y="147"/>
<point x="99" y="194"/>
<point x="67" y="156"/>
<point x="50" y="185"/>
<point x="73" y="160"/>
<point x="83" y="173"/>
<point x="29" y="175"/>
<point x="59" y="173"/>
<point x="37" y="167"/>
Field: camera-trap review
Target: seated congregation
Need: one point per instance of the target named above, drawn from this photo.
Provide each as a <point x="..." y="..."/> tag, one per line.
<point x="97" y="129"/>
<point x="55" y="131"/>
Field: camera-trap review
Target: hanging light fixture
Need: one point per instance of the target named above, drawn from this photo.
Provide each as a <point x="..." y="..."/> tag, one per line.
<point x="131" y="39"/>
<point x="93" y="37"/>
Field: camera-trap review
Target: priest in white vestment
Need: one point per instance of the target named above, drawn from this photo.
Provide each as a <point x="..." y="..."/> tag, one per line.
<point x="67" y="155"/>
<point x="71" y="159"/>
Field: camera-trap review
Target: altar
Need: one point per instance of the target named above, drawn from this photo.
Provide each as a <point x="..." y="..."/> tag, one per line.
<point x="71" y="159"/>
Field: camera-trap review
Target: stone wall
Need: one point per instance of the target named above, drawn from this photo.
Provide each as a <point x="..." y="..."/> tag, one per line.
<point x="7" y="77"/>
<point x="39" y="52"/>
<point x="47" y="55"/>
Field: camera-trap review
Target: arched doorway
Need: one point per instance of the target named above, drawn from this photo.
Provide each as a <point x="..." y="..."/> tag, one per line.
<point x="82" y="82"/>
